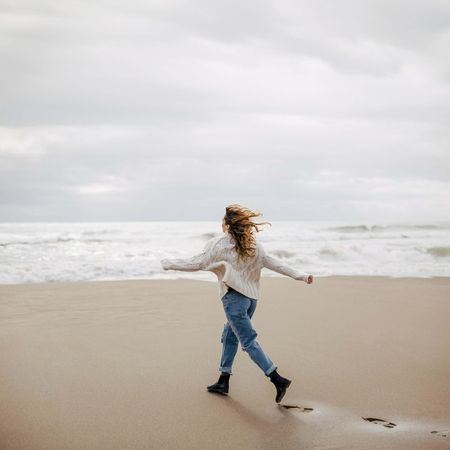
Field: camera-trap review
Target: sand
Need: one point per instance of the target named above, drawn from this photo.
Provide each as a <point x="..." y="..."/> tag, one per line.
<point x="125" y="365"/>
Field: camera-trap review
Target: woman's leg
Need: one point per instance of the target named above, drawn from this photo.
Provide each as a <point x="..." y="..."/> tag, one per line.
<point x="239" y="309"/>
<point x="229" y="348"/>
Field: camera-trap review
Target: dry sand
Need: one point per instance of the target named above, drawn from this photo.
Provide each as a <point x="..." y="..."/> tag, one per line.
<point x="125" y="365"/>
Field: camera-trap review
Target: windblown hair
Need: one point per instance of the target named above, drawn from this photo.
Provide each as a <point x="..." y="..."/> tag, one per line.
<point x="241" y="229"/>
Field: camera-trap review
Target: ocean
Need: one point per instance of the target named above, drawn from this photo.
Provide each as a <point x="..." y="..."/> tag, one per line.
<point x="51" y="252"/>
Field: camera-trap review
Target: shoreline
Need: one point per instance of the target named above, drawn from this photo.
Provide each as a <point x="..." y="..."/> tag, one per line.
<point x="181" y="278"/>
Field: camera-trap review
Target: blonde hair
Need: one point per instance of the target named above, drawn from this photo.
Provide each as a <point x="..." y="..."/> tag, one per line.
<point x="241" y="228"/>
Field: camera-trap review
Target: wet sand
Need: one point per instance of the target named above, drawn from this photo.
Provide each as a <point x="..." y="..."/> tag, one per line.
<point x="125" y="365"/>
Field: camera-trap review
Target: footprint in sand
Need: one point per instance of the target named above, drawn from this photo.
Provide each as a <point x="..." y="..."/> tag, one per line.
<point x="442" y="433"/>
<point x="380" y="422"/>
<point x="302" y="409"/>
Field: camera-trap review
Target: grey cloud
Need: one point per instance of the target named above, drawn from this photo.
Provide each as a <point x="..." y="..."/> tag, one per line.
<point x="119" y="111"/>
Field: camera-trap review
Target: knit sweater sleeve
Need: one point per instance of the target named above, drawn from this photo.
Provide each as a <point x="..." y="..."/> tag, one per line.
<point x="279" y="266"/>
<point x="193" y="264"/>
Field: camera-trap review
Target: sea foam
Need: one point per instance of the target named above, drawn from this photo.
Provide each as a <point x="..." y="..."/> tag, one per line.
<point x="39" y="252"/>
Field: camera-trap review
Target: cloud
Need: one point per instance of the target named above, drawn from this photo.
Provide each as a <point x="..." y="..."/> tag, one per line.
<point x="107" y="108"/>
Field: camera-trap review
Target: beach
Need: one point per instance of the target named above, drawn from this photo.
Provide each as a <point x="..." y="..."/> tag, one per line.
<point x="125" y="365"/>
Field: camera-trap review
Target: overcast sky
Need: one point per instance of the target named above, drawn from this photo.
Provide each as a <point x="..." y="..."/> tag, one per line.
<point x="170" y="110"/>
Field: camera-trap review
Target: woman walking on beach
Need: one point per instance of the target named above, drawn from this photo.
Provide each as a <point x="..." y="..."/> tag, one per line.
<point x="237" y="258"/>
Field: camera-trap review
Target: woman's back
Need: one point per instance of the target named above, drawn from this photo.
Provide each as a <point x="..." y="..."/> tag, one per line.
<point x="243" y="274"/>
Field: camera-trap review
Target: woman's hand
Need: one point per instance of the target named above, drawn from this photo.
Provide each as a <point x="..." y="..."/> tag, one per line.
<point x="309" y="279"/>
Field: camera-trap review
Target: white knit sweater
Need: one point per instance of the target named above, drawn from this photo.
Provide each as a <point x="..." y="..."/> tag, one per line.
<point x="219" y="256"/>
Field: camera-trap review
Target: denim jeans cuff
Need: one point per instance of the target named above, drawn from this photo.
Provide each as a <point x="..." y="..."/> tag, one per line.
<point x="271" y="369"/>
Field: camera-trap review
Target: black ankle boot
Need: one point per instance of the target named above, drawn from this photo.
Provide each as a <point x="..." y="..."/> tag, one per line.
<point x="280" y="383"/>
<point x="221" y="386"/>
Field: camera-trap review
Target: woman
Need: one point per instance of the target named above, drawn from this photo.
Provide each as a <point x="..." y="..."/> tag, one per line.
<point x="237" y="258"/>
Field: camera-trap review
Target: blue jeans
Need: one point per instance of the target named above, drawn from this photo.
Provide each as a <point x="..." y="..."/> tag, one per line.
<point x="239" y="309"/>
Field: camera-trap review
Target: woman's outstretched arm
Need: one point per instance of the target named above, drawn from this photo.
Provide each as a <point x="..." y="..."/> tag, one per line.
<point x="279" y="266"/>
<point x="197" y="262"/>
